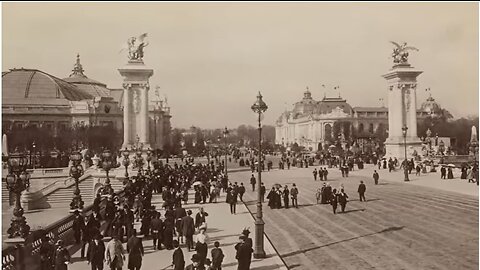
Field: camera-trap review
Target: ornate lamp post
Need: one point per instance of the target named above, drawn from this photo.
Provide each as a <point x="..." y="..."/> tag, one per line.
<point x="225" y="134"/>
<point x="18" y="180"/>
<point x="76" y="171"/>
<point x="139" y="161"/>
<point x="107" y="164"/>
<point x="149" y="158"/>
<point x="126" y="161"/>
<point x="259" y="107"/>
<point x="404" y="132"/>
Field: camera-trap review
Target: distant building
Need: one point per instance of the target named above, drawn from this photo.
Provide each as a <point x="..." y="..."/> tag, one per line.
<point x="312" y="123"/>
<point x="31" y="97"/>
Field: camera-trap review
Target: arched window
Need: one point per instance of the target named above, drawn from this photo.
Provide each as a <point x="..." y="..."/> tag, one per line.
<point x="328" y="132"/>
<point x="360" y="128"/>
<point x="370" y="129"/>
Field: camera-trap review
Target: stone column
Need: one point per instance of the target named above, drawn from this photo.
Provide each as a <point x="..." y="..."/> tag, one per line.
<point x="402" y="110"/>
<point x="145" y="130"/>
<point x="135" y="76"/>
<point x="412" y="124"/>
<point x="126" y="117"/>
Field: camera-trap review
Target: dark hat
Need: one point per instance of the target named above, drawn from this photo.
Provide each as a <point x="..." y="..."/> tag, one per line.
<point x="195" y="258"/>
<point x="246" y="231"/>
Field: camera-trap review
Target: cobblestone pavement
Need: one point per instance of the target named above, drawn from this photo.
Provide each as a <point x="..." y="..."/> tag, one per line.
<point x="401" y="226"/>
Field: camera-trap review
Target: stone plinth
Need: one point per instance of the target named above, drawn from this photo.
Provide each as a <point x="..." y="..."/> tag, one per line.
<point x="402" y="111"/>
<point x="135" y="103"/>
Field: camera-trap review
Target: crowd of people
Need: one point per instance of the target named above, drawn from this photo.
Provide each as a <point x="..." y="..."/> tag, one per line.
<point x="170" y="231"/>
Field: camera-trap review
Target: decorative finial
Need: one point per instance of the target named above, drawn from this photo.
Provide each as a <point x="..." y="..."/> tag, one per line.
<point x="77" y="68"/>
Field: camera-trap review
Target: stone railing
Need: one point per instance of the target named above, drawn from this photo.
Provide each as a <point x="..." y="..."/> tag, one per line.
<point x="8" y="258"/>
<point x="29" y="252"/>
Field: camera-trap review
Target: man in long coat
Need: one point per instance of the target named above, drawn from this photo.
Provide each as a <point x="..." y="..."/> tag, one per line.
<point x="96" y="252"/>
<point x="188" y="229"/>
<point x="135" y="252"/>
<point x="178" y="261"/>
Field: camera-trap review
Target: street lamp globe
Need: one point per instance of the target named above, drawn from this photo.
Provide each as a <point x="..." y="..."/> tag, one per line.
<point x="404" y="131"/>
<point x="259" y="106"/>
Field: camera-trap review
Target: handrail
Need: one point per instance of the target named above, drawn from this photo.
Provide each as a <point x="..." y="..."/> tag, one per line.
<point x="61" y="229"/>
<point x="50" y="188"/>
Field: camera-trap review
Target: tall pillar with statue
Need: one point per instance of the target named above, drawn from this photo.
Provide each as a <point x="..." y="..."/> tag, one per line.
<point x="402" y="105"/>
<point x="135" y="95"/>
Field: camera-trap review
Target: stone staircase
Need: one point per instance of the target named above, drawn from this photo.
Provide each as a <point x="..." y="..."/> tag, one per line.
<point x="5" y="195"/>
<point x="63" y="196"/>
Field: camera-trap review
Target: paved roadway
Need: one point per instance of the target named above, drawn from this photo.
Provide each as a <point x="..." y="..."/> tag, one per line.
<point x="401" y="226"/>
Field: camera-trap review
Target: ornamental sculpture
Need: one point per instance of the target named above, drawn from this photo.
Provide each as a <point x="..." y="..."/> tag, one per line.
<point x="136" y="46"/>
<point x="400" y="52"/>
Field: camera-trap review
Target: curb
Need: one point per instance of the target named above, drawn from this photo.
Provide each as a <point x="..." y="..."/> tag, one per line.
<point x="279" y="258"/>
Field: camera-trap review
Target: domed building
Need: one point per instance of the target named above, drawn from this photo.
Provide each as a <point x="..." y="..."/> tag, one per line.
<point x="431" y="108"/>
<point x="316" y="124"/>
<point x="32" y="97"/>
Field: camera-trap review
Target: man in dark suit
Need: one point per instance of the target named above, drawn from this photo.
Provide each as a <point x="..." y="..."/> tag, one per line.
<point x="135" y="251"/>
<point x="443" y="173"/>
<point x="217" y="256"/>
<point x="200" y="218"/>
<point x="157" y="231"/>
<point x="78" y="226"/>
<point x="178" y="259"/>
<point x="188" y="229"/>
<point x="179" y="214"/>
<point x="361" y="191"/>
<point x="96" y="252"/>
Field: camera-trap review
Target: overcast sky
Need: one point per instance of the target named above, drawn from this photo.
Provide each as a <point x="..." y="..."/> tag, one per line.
<point x="211" y="59"/>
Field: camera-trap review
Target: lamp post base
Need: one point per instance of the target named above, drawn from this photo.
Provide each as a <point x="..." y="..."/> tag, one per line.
<point x="259" y="251"/>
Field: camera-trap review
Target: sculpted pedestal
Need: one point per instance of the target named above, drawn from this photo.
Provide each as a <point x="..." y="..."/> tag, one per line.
<point x="402" y="111"/>
<point x="135" y="103"/>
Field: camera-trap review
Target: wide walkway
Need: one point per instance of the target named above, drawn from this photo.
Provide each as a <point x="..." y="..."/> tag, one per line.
<point x="401" y="226"/>
<point x="431" y="180"/>
<point x="222" y="227"/>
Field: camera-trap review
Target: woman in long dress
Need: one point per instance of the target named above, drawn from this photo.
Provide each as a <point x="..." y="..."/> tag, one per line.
<point x="271" y="198"/>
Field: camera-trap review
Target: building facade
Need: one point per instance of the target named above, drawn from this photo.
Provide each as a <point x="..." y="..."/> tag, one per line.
<point x="316" y="125"/>
<point x="31" y="97"/>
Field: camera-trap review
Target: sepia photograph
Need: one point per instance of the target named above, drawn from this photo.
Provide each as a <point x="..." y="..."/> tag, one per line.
<point x="240" y="135"/>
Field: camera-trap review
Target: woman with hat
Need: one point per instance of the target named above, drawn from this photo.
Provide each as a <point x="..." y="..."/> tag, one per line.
<point x="62" y="256"/>
<point x="248" y="240"/>
<point x="201" y="246"/>
<point x="244" y="254"/>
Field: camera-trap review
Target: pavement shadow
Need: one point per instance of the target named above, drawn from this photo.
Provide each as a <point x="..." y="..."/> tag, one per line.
<point x="293" y="266"/>
<point x="220" y="237"/>
<point x="353" y="210"/>
<point x="250" y="202"/>
<point x="389" y="229"/>
<point x="266" y="267"/>
<point x="213" y="230"/>
<point x="305" y="205"/>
